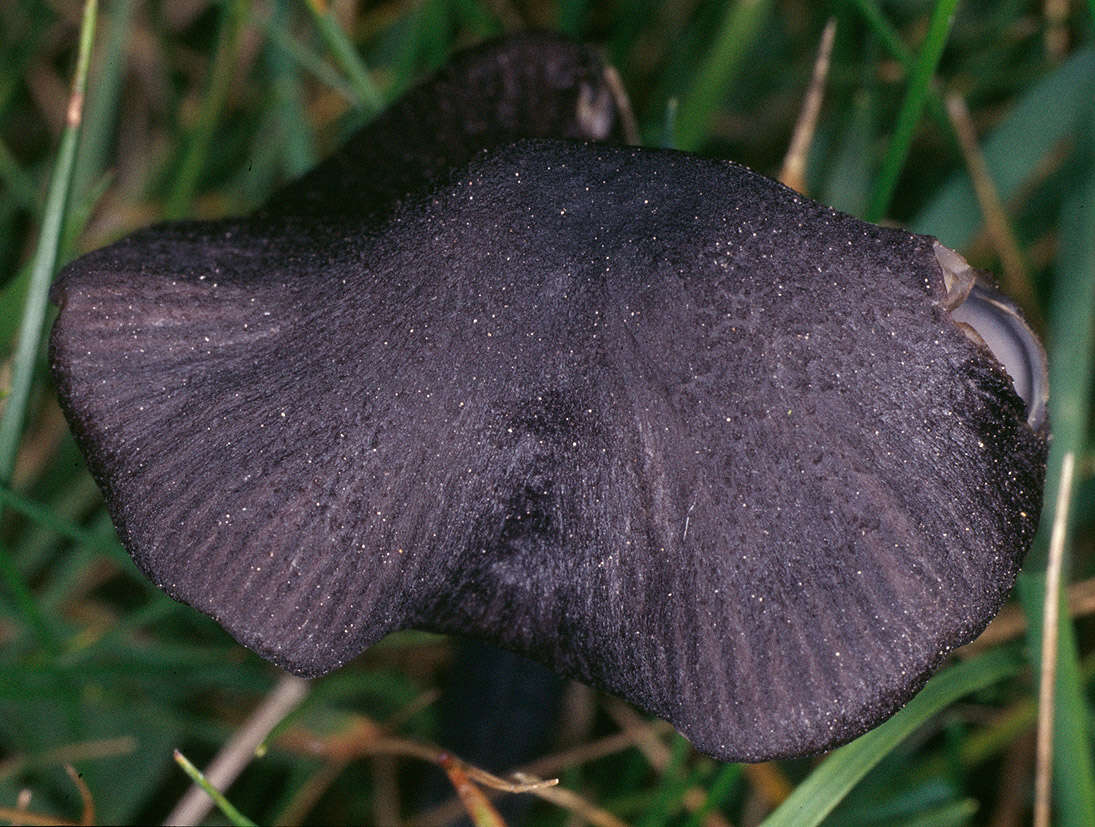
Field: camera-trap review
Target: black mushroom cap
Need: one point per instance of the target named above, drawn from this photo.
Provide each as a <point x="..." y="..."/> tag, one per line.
<point x="654" y="420"/>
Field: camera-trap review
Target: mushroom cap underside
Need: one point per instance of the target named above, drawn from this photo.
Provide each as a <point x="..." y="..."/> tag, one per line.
<point x="653" y="420"/>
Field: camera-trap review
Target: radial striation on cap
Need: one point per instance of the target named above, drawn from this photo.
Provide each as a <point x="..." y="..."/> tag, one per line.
<point x="654" y="420"/>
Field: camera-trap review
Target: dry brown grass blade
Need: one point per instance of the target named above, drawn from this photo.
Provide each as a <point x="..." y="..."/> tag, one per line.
<point x="87" y="814"/>
<point x="478" y="807"/>
<point x="570" y="800"/>
<point x="384" y="811"/>
<point x="1056" y="13"/>
<point x="385" y="791"/>
<point x="643" y="735"/>
<point x="239" y="751"/>
<point x="69" y="753"/>
<point x="310" y="792"/>
<point x="770" y="783"/>
<point x="19" y="816"/>
<point x="623" y="106"/>
<point x="646" y="736"/>
<point x="1011" y="622"/>
<point x="526" y="784"/>
<point x="1015" y="278"/>
<point x="584" y="753"/>
<point x="554" y="764"/>
<point x="1014" y="783"/>
<point x="405" y="713"/>
<point x="1047" y="684"/>
<point x="367" y="738"/>
<point x="793" y="173"/>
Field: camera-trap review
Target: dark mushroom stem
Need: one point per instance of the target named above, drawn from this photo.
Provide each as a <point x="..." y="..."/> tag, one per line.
<point x="651" y="419"/>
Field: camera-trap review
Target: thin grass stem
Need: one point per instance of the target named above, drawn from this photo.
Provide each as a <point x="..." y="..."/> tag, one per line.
<point x="740" y="25"/>
<point x="1051" y="612"/>
<point x="234" y="14"/>
<point x="911" y="107"/>
<point x="361" y="81"/>
<point x="223" y="804"/>
<point x="826" y="786"/>
<point x="45" y="257"/>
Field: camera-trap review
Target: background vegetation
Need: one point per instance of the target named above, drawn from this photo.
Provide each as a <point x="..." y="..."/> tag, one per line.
<point x="199" y="108"/>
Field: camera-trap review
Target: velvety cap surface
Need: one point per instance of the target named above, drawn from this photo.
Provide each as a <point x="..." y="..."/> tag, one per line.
<point x="654" y="420"/>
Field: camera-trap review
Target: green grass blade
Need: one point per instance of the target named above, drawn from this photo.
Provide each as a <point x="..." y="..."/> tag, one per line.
<point x="35" y="307"/>
<point x="298" y="145"/>
<point x="740" y="24"/>
<point x="1048" y="113"/>
<point x="816" y="797"/>
<point x="1072" y="368"/>
<point x="223" y="804"/>
<point x="368" y="96"/>
<point x="886" y="33"/>
<point x="849" y="184"/>
<point x="45" y="258"/>
<point x="672" y="787"/>
<point x="27" y="604"/>
<point x="891" y="41"/>
<point x="305" y="58"/>
<point x="14" y="293"/>
<point x="48" y="518"/>
<point x="911" y="108"/>
<point x="234" y="15"/>
<point x="70" y="502"/>
<point x="957" y="812"/>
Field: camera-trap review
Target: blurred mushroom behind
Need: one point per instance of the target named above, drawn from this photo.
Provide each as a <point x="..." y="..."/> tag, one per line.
<point x="651" y="419"/>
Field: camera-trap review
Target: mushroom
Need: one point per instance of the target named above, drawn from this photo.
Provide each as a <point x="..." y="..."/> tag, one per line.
<point x="649" y="418"/>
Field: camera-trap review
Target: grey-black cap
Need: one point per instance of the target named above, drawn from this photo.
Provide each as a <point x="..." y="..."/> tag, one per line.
<point x="652" y="419"/>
